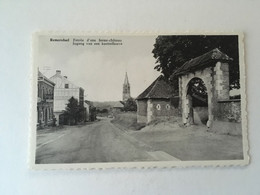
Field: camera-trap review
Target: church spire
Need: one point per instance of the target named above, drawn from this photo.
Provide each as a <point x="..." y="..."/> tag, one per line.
<point x="126" y="89"/>
<point x="126" y="79"/>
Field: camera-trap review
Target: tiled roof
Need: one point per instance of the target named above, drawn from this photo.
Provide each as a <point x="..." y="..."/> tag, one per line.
<point x="159" y="89"/>
<point x="202" y="62"/>
<point x="41" y="76"/>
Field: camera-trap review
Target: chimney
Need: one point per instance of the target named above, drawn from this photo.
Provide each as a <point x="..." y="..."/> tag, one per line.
<point x="58" y="72"/>
<point x="65" y="77"/>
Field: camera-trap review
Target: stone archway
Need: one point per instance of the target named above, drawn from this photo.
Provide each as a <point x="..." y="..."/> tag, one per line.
<point x="196" y="106"/>
<point x="216" y="79"/>
<point x="213" y="69"/>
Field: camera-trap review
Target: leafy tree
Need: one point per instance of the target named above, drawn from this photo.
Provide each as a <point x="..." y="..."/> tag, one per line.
<point x="74" y="112"/>
<point x="104" y="110"/>
<point x="93" y="115"/>
<point x="171" y="52"/>
<point x="130" y="105"/>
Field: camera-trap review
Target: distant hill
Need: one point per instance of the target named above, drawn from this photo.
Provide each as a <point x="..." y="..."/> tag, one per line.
<point x="105" y="105"/>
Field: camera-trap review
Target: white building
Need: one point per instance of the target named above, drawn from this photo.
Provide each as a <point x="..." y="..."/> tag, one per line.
<point x="63" y="91"/>
<point x="87" y="111"/>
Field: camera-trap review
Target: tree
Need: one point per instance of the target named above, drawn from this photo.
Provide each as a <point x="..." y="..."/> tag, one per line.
<point x="130" y="105"/>
<point x="93" y="114"/>
<point x="171" y="52"/>
<point x="74" y="112"/>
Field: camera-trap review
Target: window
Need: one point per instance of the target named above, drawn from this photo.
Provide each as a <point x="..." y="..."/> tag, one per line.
<point x="158" y="107"/>
<point x="168" y="107"/>
<point x="66" y="86"/>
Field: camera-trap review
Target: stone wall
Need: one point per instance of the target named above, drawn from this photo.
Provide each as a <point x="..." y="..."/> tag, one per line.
<point x="158" y="109"/>
<point x="228" y="118"/>
<point x="221" y="80"/>
<point x="163" y="108"/>
<point x="141" y="111"/>
<point x="152" y="109"/>
<point x="229" y="111"/>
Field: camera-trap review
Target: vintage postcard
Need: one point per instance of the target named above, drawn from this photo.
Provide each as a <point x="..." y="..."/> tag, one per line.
<point x="138" y="100"/>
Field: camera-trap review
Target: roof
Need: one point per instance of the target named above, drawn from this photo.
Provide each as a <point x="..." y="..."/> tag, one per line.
<point x="159" y="89"/>
<point x="202" y="62"/>
<point x="118" y="105"/>
<point x="60" y="80"/>
<point x="41" y="76"/>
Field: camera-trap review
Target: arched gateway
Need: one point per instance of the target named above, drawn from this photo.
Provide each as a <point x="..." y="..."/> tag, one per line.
<point x="212" y="69"/>
<point x="197" y="102"/>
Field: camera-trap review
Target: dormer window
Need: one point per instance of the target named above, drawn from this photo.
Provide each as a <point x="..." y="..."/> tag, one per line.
<point x="66" y="86"/>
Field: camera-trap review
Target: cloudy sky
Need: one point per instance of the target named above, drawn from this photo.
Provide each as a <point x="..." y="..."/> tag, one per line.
<point x="100" y="70"/>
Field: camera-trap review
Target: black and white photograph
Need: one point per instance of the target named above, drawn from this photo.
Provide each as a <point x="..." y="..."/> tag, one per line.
<point x="138" y="100"/>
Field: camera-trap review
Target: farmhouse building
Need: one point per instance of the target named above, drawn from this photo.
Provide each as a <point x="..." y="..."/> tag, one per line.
<point x="155" y="102"/>
<point x="63" y="91"/>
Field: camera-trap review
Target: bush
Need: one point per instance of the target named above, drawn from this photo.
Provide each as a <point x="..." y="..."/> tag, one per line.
<point x="130" y="105"/>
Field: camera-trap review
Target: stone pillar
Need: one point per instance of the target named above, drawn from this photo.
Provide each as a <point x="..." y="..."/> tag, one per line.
<point x="180" y="96"/>
<point x="221" y="78"/>
<point x="211" y="100"/>
<point x="185" y="108"/>
<point x="137" y="111"/>
<point x="190" y="111"/>
<point x="149" y="111"/>
<point x="183" y="98"/>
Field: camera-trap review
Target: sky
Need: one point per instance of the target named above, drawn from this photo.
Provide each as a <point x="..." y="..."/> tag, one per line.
<point x="100" y="69"/>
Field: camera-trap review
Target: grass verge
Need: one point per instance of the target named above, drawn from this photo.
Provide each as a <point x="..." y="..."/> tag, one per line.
<point x="127" y="121"/>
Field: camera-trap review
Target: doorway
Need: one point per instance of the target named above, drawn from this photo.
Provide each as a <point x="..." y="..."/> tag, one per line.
<point x="197" y="102"/>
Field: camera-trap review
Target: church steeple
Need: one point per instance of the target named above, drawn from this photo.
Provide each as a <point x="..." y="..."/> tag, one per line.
<point x="126" y="79"/>
<point x="126" y="89"/>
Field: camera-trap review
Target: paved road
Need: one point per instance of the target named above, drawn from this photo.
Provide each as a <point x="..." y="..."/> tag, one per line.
<point x="97" y="142"/>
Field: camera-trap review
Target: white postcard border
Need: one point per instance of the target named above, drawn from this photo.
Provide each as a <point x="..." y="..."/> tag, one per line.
<point x="140" y="165"/>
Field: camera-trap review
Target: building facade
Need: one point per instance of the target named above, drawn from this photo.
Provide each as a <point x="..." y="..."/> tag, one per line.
<point x="155" y="102"/>
<point x="45" y="101"/>
<point x="63" y="91"/>
<point x="126" y="89"/>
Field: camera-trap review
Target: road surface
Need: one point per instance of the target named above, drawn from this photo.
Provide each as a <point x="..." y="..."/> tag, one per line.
<point x="97" y="142"/>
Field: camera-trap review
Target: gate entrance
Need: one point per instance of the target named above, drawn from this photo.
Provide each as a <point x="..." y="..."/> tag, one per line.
<point x="197" y="102"/>
<point x="203" y="82"/>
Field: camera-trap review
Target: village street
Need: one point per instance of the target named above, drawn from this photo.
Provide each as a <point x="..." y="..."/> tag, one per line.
<point x="97" y="142"/>
<point x="102" y="141"/>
